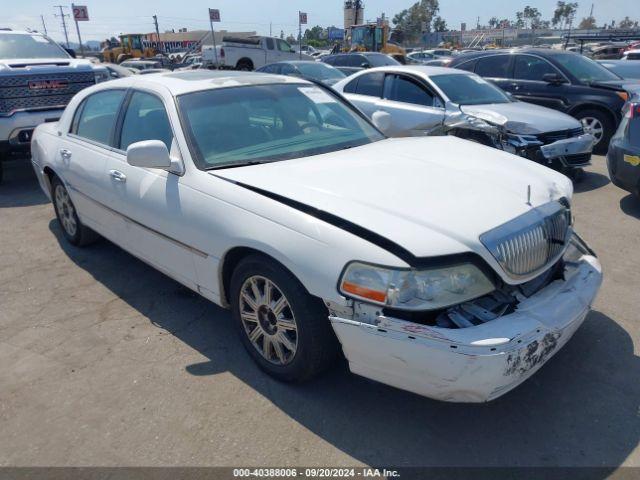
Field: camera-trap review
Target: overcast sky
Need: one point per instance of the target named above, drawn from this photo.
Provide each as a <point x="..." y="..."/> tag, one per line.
<point x="111" y="17"/>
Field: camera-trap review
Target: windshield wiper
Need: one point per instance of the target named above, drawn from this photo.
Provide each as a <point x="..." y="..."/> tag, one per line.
<point x="238" y="164"/>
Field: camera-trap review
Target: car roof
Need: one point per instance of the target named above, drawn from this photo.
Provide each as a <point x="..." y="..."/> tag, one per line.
<point x="196" y="80"/>
<point x="425" y="70"/>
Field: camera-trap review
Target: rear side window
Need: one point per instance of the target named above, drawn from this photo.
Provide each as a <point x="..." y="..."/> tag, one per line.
<point x="407" y="90"/>
<point x="495" y="66"/>
<point x="356" y="60"/>
<point x="341" y="61"/>
<point x="97" y="116"/>
<point x="370" y="84"/>
<point x="270" y="44"/>
<point x="352" y="86"/>
<point x="531" y="68"/>
<point x="146" y="119"/>
<point x="330" y="60"/>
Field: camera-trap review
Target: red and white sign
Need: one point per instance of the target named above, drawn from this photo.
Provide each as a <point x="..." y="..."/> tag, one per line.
<point x="80" y="13"/>
<point x="214" y="15"/>
<point x="303" y="18"/>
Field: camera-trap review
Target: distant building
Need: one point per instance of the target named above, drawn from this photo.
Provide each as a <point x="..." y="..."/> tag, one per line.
<point x="183" y="39"/>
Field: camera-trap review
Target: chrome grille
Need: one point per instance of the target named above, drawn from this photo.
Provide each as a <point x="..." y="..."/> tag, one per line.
<point x="551" y="137"/>
<point x="530" y="243"/>
<point x="16" y="95"/>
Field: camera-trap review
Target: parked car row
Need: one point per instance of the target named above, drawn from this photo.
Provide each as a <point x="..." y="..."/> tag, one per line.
<point x="435" y="264"/>
<point x="560" y="80"/>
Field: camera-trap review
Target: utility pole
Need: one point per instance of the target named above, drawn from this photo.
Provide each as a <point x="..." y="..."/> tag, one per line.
<point x="155" y="22"/>
<point x="64" y="23"/>
<point x="44" y="25"/>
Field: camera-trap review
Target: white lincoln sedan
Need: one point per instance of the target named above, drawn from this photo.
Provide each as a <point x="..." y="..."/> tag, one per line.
<point x="436" y="265"/>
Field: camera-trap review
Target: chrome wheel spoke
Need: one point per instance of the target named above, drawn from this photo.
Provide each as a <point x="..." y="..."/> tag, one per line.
<point x="255" y="335"/>
<point x="250" y="302"/>
<point x="249" y="316"/>
<point x="277" y="347"/>
<point x="287" y="324"/>
<point x="282" y="338"/>
<point x="266" y="344"/>
<point x="279" y="306"/>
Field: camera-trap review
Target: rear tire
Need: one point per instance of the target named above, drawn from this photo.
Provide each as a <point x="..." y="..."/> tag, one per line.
<point x="73" y="229"/>
<point x="600" y="125"/>
<point x="244" y="65"/>
<point x="286" y="331"/>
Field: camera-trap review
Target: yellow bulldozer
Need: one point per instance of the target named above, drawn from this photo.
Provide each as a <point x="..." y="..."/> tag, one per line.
<point x="372" y="37"/>
<point x="130" y="47"/>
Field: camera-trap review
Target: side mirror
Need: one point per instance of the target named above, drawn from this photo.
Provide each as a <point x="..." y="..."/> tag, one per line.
<point x="382" y="120"/>
<point x="553" y="78"/>
<point x="365" y="65"/>
<point x="152" y="154"/>
<point x="292" y="51"/>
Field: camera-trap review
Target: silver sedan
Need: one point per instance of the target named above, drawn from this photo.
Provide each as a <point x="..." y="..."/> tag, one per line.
<point x="419" y="100"/>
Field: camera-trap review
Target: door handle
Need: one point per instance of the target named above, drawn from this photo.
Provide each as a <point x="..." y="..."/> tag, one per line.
<point x="65" y="154"/>
<point x="118" y="176"/>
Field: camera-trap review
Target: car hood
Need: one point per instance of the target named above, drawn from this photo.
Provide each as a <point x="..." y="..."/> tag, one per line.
<point x="431" y="195"/>
<point x="631" y="86"/>
<point x="34" y="65"/>
<point x="522" y="118"/>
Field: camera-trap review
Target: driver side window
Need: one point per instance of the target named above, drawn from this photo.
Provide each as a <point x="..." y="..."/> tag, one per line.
<point x="408" y="90"/>
<point x="145" y="119"/>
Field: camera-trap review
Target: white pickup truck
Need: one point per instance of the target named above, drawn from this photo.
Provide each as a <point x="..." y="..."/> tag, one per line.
<point x="249" y="53"/>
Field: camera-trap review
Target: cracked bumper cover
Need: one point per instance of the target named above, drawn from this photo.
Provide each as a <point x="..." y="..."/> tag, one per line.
<point x="479" y="363"/>
<point x="569" y="146"/>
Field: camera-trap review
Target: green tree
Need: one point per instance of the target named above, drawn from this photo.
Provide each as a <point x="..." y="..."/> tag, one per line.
<point x="411" y="20"/>
<point x="587" y="23"/>
<point x="439" y="24"/>
<point x="531" y="16"/>
<point x="494" y="22"/>
<point x="564" y="13"/>
<point x="519" y="23"/>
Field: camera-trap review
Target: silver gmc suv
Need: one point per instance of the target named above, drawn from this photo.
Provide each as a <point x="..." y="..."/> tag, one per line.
<point x="37" y="80"/>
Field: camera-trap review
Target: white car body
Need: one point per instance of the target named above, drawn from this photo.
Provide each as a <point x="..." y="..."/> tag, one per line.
<point x="430" y="197"/>
<point x="250" y="53"/>
<point x="528" y="125"/>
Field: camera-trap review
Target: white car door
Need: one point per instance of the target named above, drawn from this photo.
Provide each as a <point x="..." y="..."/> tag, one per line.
<point x="414" y="108"/>
<point x="84" y="151"/>
<point x="152" y="202"/>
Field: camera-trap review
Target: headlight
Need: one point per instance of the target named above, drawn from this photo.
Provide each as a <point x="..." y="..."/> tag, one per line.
<point x="101" y="76"/>
<point x="427" y="289"/>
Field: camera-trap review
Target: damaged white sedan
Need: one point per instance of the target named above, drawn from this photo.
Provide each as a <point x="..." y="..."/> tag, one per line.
<point x="270" y="195"/>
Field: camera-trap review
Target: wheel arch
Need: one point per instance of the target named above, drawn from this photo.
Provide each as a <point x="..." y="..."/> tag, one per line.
<point x="49" y="175"/>
<point x="245" y="60"/>
<point x="594" y="106"/>
<point x="232" y="258"/>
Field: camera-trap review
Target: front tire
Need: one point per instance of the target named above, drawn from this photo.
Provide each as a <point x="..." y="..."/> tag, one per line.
<point x="244" y="65"/>
<point x="285" y="329"/>
<point x="73" y="229"/>
<point x="598" y="124"/>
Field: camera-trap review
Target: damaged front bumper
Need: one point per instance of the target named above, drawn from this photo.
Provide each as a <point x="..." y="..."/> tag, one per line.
<point x="570" y="152"/>
<point x="479" y="363"/>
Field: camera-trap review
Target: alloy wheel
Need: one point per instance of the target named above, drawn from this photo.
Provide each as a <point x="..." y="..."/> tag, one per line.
<point x="268" y="320"/>
<point x="593" y="126"/>
<point x="66" y="211"/>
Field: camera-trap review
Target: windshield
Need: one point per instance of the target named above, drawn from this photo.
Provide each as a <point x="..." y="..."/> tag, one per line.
<point x="16" y="45"/>
<point x="267" y="123"/>
<point x="320" y="71"/>
<point x="469" y="89"/>
<point x="585" y="69"/>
